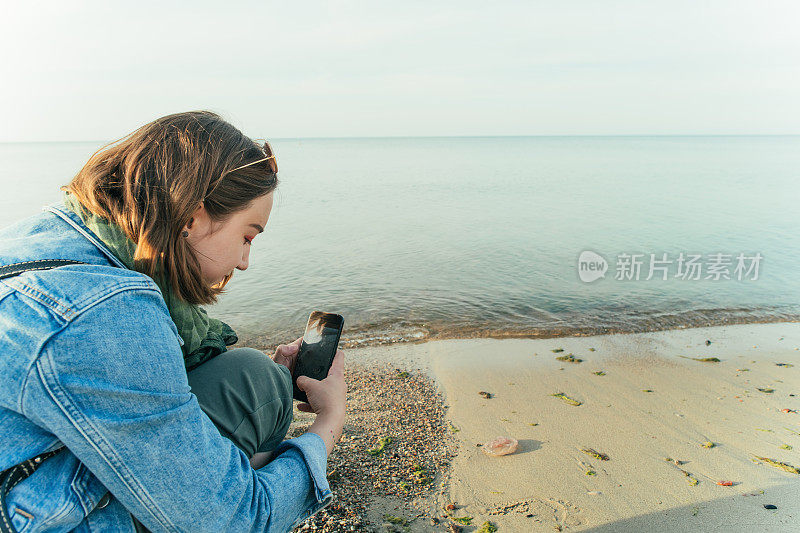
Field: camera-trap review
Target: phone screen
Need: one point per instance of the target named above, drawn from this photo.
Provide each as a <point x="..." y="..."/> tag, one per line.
<point x="318" y="348"/>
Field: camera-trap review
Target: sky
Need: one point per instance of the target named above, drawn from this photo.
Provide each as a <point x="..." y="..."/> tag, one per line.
<point x="94" y="71"/>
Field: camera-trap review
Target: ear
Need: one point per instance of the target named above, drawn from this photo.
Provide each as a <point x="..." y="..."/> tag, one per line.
<point x="199" y="213"/>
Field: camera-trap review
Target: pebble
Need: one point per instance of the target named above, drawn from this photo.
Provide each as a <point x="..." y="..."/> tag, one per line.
<point x="769" y="506"/>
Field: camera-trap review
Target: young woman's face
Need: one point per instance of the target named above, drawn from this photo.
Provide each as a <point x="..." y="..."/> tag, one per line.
<point x="228" y="246"/>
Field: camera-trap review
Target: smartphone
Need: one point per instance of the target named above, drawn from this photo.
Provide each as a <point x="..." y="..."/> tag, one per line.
<point x="317" y="349"/>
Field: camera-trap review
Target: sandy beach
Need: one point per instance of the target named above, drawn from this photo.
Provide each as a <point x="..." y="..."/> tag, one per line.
<point x="671" y="426"/>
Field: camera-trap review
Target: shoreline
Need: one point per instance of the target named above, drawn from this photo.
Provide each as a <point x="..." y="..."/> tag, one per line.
<point x="652" y="402"/>
<point x="414" y="336"/>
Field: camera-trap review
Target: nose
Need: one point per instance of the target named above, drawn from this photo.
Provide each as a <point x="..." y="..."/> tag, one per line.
<point x="245" y="262"/>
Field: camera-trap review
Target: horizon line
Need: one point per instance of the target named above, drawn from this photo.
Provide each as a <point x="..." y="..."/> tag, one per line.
<point x="345" y="137"/>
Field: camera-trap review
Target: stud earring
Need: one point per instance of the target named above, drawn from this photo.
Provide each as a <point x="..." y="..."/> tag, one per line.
<point x="185" y="233"/>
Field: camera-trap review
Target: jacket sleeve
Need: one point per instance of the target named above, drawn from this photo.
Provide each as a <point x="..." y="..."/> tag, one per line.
<point x="112" y="386"/>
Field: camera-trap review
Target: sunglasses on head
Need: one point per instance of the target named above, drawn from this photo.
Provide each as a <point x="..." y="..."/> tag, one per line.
<point x="269" y="157"/>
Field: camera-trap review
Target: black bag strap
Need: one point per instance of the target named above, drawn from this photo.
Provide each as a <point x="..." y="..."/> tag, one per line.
<point x="39" y="264"/>
<point x="10" y="477"/>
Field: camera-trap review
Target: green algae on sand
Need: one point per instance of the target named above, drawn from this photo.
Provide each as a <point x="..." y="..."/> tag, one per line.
<point x="420" y="475"/>
<point x="599" y="373"/>
<point x="566" y="398"/>
<point x="557" y="350"/>
<point x="778" y="464"/>
<point x="703" y="359"/>
<point x="689" y="477"/>
<point x="594" y="453"/>
<point x="382" y="442"/>
<point x="395" y="520"/>
<point x="487" y="527"/>
<point x="569" y="358"/>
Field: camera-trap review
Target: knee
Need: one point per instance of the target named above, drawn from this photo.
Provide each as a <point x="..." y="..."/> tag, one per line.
<point x="272" y="379"/>
<point x="270" y="384"/>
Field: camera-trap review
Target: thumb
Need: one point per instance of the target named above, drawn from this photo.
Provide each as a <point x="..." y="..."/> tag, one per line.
<point x="287" y="349"/>
<point x="302" y="382"/>
<point x="290" y="349"/>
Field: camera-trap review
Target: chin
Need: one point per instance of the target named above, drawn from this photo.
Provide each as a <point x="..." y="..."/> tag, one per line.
<point x="223" y="281"/>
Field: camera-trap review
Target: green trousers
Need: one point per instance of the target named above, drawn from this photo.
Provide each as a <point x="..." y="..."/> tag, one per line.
<point x="247" y="395"/>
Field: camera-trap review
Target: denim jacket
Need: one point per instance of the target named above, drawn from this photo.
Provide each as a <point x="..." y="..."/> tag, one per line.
<point x="90" y="359"/>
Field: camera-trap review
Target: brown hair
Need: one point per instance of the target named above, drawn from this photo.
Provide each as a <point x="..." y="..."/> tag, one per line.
<point x="151" y="181"/>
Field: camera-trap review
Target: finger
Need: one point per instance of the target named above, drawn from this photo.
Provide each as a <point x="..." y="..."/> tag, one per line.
<point x="297" y="342"/>
<point x="338" y="362"/>
<point x="303" y="382"/>
<point x="286" y="350"/>
<point x="305" y="407"/>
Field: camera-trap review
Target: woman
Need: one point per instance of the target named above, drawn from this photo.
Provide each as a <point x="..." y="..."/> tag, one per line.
<point x="119" y="399"/>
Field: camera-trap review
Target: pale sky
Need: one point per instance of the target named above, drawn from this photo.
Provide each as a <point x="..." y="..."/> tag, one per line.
<point x="94" y="71"/>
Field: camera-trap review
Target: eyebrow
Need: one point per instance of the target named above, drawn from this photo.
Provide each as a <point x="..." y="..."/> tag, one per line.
<point x="258" y="227"/>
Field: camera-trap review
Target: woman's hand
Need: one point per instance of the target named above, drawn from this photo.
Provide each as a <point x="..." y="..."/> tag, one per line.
<point x="328" y="396"/>
<point x="286" y="354"/>
<point x="328" y="399"/>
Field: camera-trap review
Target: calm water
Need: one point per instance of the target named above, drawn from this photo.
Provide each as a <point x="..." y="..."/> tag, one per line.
<point x="416" y="237"/>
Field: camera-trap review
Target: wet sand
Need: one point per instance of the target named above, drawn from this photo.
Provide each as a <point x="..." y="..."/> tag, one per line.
<point x="653" y="403"/>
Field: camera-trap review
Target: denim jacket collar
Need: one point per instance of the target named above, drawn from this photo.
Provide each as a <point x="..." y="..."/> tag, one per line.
<point x="60" y="209"/>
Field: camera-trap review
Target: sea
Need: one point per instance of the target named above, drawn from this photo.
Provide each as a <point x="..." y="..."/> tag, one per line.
<point x="418" y="238"/>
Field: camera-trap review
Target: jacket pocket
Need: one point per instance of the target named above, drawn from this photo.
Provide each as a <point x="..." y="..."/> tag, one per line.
<point x="21" y="519"/>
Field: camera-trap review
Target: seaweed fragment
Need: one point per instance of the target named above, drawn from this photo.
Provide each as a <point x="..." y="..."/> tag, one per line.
<point x="420" y="475"/>
<point x="690" y="478"/>
<point x="599" y="373"/>
<point x="766" y="390"/>
<point x="485" y="394"/>
<point x="382" y="442"/>
<point x="708" y="444"/>
<point x="569" y="358"/>
<point x="557" y="350"/>
<point x="778" y="464"/>
<point x="566" y="398"/>
<point x="395" y="520"/>
<point x="594" y="453"/>
<point x="487" y="527"/>
<point x="464" y="520"/>
<point x="703" y="359"/>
